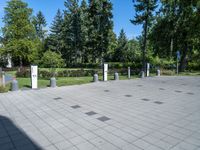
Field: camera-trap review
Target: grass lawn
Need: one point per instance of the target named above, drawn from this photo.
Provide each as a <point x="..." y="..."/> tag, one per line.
<point x="64" y="81"/>
<point x="26" y="82"/>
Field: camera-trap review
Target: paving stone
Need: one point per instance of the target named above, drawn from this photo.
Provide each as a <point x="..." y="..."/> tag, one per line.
<point x="91" y="113"/>
<point x="103" y="119"/>
<point x="145" y="99"/>
<point x="106" y="90"/>
<point x="177" y="91"/>
<point x="57" y="98"/>
<point x="76" y="106"/>
<point x="128" y="95"/>
<point x="32" y="120"/>
<point x="158" y="102"/>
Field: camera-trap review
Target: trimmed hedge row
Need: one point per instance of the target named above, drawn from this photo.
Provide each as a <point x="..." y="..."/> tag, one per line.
<point x="44" y="74"/>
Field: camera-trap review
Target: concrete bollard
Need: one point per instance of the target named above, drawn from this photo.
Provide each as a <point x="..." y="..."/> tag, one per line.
<point x="53" y="82"/>
<point x="129" y="73"/>
<point x="148" y="69"/>
<point x="95" y="78"/>
<point x="14" y="85"/>
<point x="116" y="76"/>
<point x="158" y="72"/>
<point x="142" y="74"/>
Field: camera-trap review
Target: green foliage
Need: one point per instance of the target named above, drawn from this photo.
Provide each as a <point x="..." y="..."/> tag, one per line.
<point x="54" y="41"/>
<point x="52" y="60"/>
<point x="144" y="15"/>
<point x="177" y="28"/>
<point x="40" y="24"/>
<point x="121" y="50"/>
<point x="19" y="38"/>
<point x="100" y="23"/>
<point x="3" y="89"/>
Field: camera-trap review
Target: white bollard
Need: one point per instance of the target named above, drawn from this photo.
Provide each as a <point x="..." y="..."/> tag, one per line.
<point x="129" y="73"/>
<point x="158" y="72"/>
<point x="95" y="78"/>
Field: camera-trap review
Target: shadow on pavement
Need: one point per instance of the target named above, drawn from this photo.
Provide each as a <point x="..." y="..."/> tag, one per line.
<point x="13" y="138"/>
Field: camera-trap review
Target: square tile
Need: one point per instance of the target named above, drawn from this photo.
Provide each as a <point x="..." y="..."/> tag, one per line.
<point x="158" y="102"/>
<point x="91" y="113"/>
<point x="103" y="119"/>
<point x="76" y="106"/>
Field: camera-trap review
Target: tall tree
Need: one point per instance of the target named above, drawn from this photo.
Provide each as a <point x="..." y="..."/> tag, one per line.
<point x="121" y="50"/>
<point x="177" y="28"/>
<point x="40" y="23"/>
<point x="55" y="40"/>
<point x="84" y="32"/>
<point x="72" y="31"/>
<point x="144" y="15"/>
<point x="100" y="18"/>
<point x="19" y="33"/>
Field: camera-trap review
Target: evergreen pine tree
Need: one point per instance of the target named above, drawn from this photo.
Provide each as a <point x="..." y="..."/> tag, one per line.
<point x="55" y="38"/>
<point x="121" y="49"/>
<point x="72" y="31"/>
<point x="100" y="18"/>
<point x="40" y="24"/>
<point x="144" y="15"/>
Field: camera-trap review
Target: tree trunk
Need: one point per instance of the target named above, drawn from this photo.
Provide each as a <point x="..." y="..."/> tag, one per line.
<point x="20" y="62"/>
<point x="171" y="47"/>
<point x="183" y="62"/>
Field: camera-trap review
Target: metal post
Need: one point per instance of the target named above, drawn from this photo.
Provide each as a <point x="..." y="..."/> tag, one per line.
<point x="177" y="65"/>
<point x="129" y="73"/>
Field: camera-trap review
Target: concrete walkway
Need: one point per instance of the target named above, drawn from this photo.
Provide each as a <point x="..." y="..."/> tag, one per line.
<point x="157" y="113"/>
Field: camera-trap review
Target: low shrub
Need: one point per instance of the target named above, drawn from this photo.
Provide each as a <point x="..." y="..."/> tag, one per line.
<point x="3" y="89"/>
<point x="23" y="73"/>
<point x="168" y="72"/>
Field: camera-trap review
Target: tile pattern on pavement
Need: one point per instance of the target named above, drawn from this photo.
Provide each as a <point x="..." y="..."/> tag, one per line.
<point x="148" y="114"/>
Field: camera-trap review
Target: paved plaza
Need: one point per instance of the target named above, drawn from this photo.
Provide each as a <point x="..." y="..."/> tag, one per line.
<point x="157" y="113"/>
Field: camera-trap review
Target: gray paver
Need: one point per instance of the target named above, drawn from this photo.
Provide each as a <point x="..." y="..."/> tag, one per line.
<point x="56" y="118"/>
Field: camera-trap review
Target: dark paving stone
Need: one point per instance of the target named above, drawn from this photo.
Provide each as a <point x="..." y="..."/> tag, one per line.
<point x="139" y="85"/>
<point x="75" y="106"/>
<point x="163" y="81"/>
<point x="190" y="93"/>
<point x="145" y="99"/>
<point x="178" y="91"/>
<point x="158" y="102"/>
<point x="161" y="89"/>
<point x="106" y="90"/>
<point x="91" y="113"/>
<point x="128" y="95"/>
<point x="57" y="98"/>
<point x="103" y="119"/>
<point x="184" y="84"/>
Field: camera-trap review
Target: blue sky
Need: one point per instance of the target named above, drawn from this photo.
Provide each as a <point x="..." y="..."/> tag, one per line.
<point x="122" y="11"/>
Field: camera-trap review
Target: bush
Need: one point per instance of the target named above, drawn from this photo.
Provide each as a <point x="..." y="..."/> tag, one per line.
<point x="52" y="60"/>
<point x="45" y="74"/>
<point x="3" y="89"/>
<point x="168" y="72"/>
<point x="23" y="73"/>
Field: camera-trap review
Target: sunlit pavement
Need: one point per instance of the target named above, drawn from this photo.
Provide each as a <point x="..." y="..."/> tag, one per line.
<point x="156" y="113"/>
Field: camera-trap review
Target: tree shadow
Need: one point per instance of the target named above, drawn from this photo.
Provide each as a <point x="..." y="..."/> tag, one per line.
<point x="11" y="137"/>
